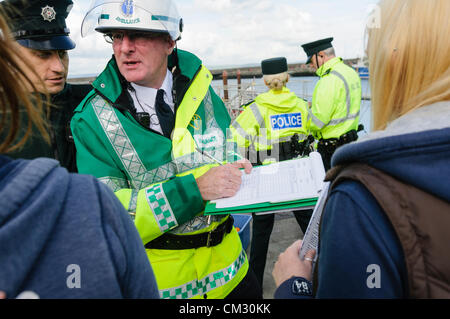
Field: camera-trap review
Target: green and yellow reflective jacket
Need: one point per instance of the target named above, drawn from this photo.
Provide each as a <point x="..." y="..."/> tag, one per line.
<point x="154" y="177"/>
<point x="336" y="100"/>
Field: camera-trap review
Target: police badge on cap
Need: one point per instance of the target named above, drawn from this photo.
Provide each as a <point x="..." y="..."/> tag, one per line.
<point x="39" y="24"/>
<point x="48" y="13"/>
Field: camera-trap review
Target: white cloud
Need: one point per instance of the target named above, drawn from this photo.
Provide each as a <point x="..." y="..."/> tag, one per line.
<point x="223" y="6"/>
<point x="92" y="52"/>
<point x="246" y="31"/>
<point x="239" y="32"/>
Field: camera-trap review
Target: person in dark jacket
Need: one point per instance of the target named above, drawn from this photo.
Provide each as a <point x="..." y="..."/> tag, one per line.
<point x="39" y="28"/>
<point x="62" y="235"/>
<point x="384" y="228"/>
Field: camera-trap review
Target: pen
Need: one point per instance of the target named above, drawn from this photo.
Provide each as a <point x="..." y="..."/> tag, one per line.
<point x="218" y="162"/>
<point x="209" y="156"/>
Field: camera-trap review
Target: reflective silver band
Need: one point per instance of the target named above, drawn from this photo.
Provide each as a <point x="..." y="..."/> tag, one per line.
<point x="202" y="286"/>
<point x="258" y="116"/>
<point x="347" y="89"/>
<point x="337" y="121"/>
<point x="342" y="120"/>
<point x="160" y="207"/>
<point x="125" y="150"/>
<point x="315" y="120"/>
<point x="114" y="183"/>
<point x="139" y="176"/>
<point x="261" y="140"/>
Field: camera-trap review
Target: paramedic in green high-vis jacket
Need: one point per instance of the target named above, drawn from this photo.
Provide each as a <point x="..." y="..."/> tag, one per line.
<point x="336" y="101"/>
<point x="143" y="130"/>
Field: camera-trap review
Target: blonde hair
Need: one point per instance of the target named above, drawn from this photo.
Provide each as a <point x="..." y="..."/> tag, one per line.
<point x="276" y="82"/>
<point x="409" y="57"/>
<point x="14" y="95"/>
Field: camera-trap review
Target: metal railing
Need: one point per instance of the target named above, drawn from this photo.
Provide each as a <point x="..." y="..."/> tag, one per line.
<point x="237" y="95"/>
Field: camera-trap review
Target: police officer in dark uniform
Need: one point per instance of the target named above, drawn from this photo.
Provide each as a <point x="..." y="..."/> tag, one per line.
<point x="39" y="28"/>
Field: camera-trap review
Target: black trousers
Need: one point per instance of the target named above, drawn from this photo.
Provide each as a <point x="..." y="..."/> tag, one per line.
<point x="248" y="288"/>
<point x="326" y="152"/>
<point x="261" y="231"/>
<point x="327" y="147"/>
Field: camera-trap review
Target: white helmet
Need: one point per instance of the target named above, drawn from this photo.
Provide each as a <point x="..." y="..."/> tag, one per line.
<point x="142" y="15"/>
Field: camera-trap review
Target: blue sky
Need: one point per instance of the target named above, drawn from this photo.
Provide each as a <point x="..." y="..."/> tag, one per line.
<point x="242" y="32"/>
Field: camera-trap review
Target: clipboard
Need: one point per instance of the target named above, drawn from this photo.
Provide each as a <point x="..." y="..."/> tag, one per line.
<point x="289" y="185"/>
<point x="267" y="207"/>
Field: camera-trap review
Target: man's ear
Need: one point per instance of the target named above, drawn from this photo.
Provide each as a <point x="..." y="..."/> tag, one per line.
<point x="321" y="54"/>
<point x="170" y="45"/>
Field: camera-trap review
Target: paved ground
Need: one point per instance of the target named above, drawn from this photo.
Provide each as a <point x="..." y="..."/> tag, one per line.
<point x="285" y="231"/>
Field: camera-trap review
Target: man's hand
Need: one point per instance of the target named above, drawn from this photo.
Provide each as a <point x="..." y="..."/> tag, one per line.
<point x="245" y="164"/>
<point x="222" y="181"/>
<point x="290" y="265"/>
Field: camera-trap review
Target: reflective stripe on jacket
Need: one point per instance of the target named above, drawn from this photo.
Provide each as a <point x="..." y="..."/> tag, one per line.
<point x="336" y="100"/>
<point x="274" y="117"/>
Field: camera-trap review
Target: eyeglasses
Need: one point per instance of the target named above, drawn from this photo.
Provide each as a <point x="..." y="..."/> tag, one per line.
<point x="117" y="37"/>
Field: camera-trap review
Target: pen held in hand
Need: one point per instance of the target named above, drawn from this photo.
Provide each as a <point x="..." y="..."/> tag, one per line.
<point x="209" y="156"/>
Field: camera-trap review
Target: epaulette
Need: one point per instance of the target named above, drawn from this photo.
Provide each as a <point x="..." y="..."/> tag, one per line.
<point x="243" y="106"/>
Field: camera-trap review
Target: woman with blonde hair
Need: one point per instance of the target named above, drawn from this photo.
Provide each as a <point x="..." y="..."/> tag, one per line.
<point x="384" y="229"/>
<point x="62" y="235"/>
<point x="277" y="81"/>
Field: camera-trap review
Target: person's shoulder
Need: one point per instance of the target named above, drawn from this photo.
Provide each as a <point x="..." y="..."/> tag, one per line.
<point x="350" y="204"/>
<point x="88" y="193"/>
<point x="345" y="65"/>
<point x="79" y="91"/>
<point x="346" y="69"/>
<point x="244" y="106"/>
<point x="188" y="63"/>
<point x="85" y="105"/>
<point x="355" y="226"/>
<point x="326" y="77"/>
<point x="188" y="56"/>
<point x="300" y="100"/>
<point x="353" y="191"/>
<point x="88" y="184"/>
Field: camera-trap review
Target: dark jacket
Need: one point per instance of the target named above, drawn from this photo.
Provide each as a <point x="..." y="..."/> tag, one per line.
<point x="358" y="240"/>
<point x="62" y="147"/>
<point x="67" y="236"/>
<point x="420" y="221"/>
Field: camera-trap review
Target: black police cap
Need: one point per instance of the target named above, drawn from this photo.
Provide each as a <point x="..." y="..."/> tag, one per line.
<point x="274" y="66"/>
<point x="312" y="48"/>
<point x="39" y="24"/>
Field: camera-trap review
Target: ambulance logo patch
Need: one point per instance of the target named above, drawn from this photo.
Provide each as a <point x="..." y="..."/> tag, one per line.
<point x="283" y="121"/>
<point x="128" y="8"/>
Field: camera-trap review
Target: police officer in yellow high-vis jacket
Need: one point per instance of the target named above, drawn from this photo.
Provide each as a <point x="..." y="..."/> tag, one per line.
<point x="336" y="99"/>
<point x="273" y="127"/>
<point x="143" y="131"/>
